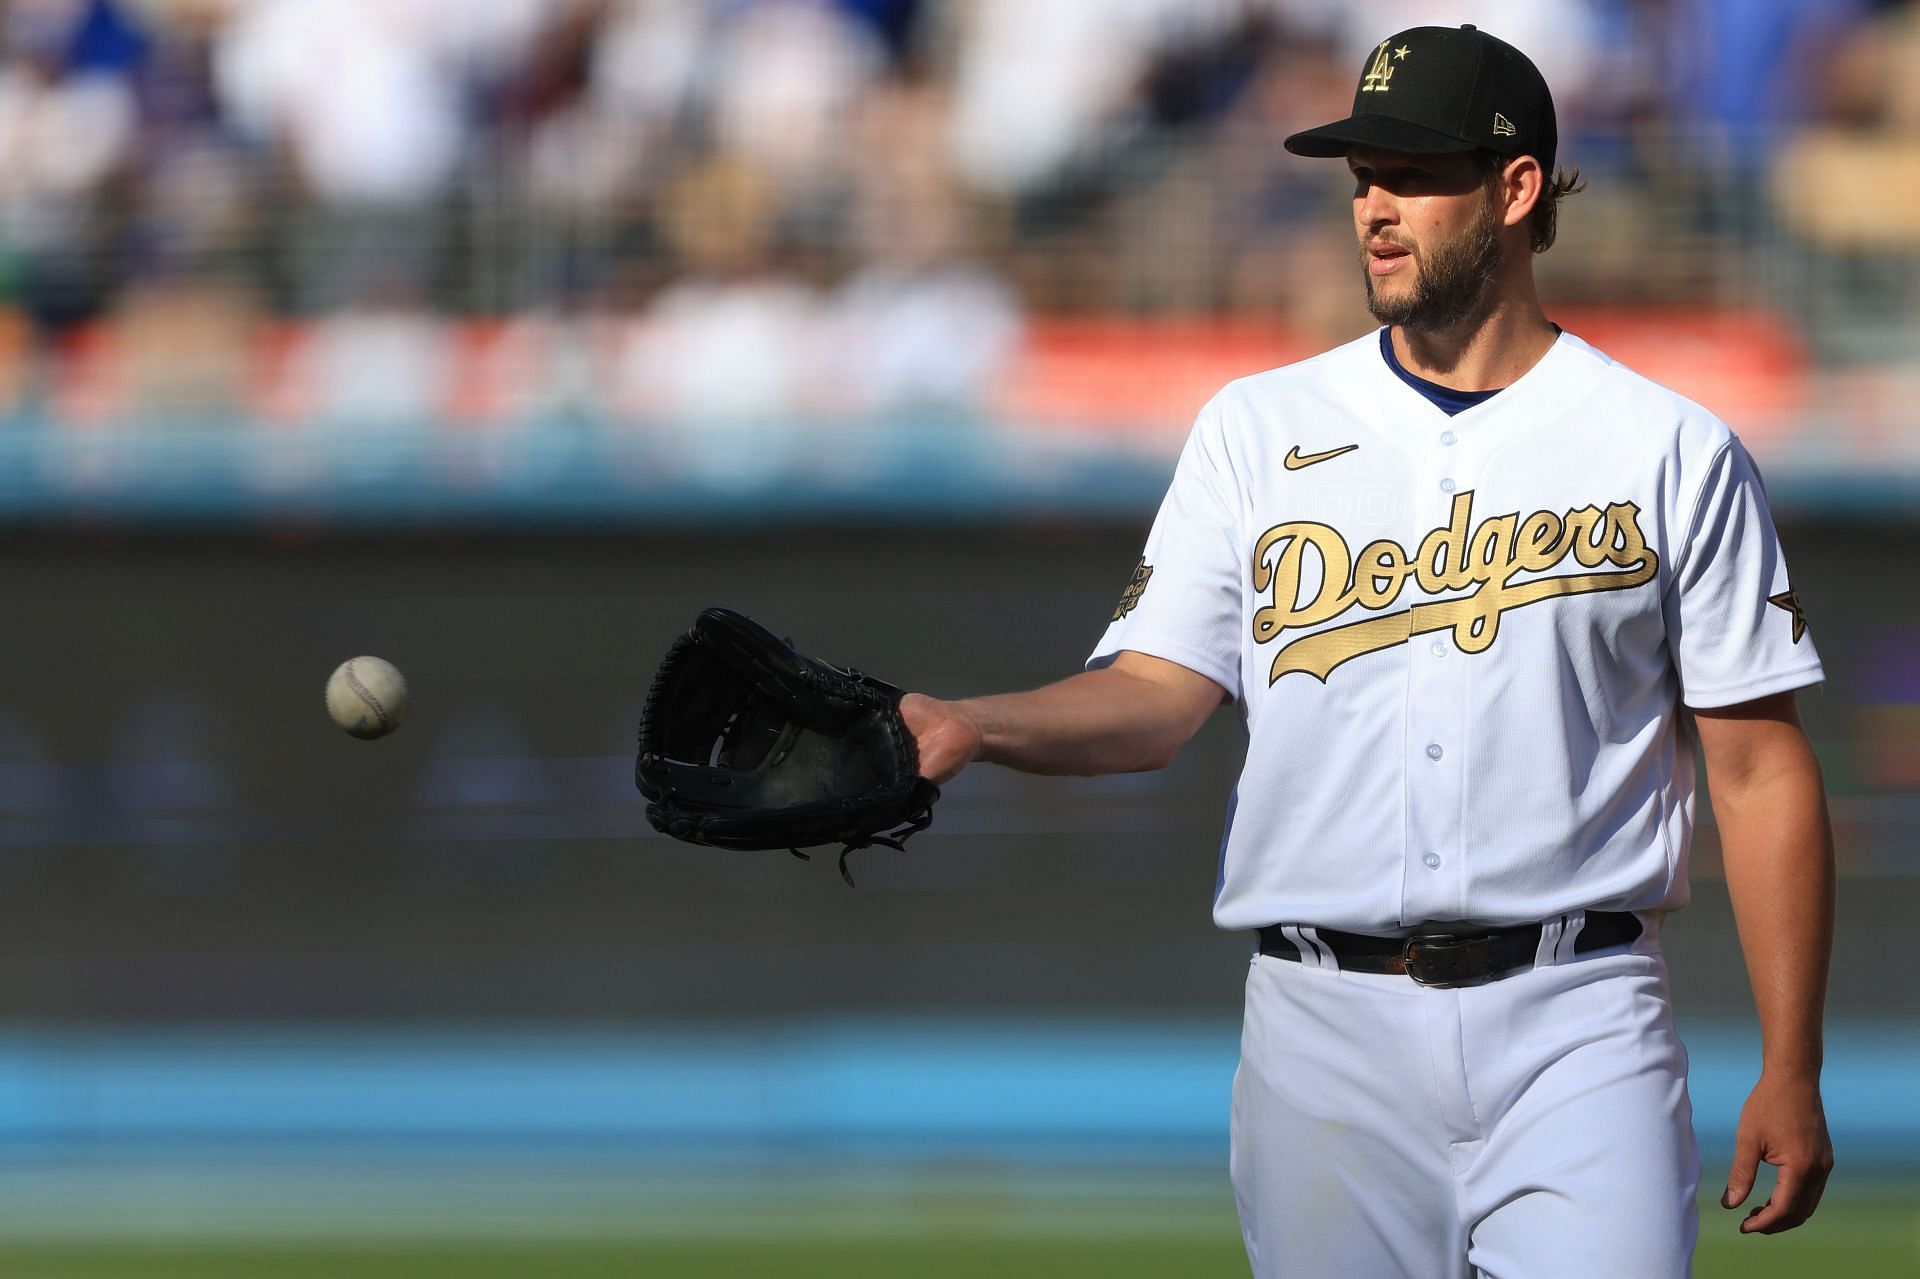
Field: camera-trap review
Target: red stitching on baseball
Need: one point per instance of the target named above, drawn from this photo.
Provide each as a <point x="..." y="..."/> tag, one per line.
<point x="366" y="694"/>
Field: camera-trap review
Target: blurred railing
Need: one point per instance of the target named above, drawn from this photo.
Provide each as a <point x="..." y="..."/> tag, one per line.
<point x="500" y="353"/>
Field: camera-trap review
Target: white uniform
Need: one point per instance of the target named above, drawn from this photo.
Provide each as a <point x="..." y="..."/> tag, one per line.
<point x="1461" y="646"/>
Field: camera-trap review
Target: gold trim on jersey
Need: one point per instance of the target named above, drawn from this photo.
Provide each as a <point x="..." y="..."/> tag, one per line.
<point x="1487" y="557"/>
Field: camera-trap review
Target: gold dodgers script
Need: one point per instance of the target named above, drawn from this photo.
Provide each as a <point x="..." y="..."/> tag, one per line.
<point x="1486" y="558"/>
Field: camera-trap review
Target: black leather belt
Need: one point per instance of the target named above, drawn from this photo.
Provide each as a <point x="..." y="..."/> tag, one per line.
<point x="1453" y="959"/>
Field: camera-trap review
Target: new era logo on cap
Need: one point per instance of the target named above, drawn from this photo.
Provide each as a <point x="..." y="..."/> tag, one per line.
<point x="1432" y="90"/>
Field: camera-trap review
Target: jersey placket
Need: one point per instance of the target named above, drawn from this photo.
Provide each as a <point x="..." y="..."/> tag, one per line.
<point x="1434" y="761"/>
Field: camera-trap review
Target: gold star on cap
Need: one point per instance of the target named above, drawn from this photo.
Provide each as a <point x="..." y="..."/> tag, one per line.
<point x="1402" y="51"/>
<point x="1790" y="600"/>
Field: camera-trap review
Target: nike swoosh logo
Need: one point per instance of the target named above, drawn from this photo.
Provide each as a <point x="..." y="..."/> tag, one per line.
<point x="1293" y="461"/>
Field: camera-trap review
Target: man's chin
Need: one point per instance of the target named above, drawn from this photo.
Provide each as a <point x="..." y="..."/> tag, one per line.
<point x="1390" y="306"/>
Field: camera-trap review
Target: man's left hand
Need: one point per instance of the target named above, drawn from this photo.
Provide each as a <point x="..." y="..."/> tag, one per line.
<point x="1782" y="1124"/>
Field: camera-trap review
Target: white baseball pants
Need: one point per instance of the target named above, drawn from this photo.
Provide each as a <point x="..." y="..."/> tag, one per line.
<point x="1534" y="1126"/>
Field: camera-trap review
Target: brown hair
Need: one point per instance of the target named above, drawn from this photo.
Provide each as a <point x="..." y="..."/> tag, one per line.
<point x="1544" y="221"/>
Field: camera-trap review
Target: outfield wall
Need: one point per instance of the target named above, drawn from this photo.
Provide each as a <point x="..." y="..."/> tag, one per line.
<point x="185" y="838"/>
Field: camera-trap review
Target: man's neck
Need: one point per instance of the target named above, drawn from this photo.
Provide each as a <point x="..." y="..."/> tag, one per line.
<point x="1482" y="353"/>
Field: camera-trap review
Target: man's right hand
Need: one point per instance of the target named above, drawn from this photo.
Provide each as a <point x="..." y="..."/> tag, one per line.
<point x="1130" y="717"/>
<point x="948" y="737"/>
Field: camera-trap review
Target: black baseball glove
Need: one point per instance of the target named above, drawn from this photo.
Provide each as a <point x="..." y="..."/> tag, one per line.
<point x="745" y="743"/>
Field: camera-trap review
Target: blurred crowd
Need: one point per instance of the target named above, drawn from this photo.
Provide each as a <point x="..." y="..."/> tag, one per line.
<point x="758" y="207"/>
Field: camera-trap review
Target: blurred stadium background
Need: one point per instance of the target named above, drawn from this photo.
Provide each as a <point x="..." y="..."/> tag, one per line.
<point x="496" y="337"/>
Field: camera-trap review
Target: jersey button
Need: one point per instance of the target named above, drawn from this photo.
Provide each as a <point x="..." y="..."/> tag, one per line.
<point x="1439" y="648"/>
<point x="1434" y="751"/>
<point x="1446" y="486"/>
<point x="1447" y="437"/>
<point x="1432" y="860"/>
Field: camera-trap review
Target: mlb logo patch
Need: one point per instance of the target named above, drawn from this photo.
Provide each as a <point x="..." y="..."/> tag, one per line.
<point x="1135" y="589"/>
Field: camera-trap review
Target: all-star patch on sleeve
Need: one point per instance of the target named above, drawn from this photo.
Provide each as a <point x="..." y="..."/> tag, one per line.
<point x="1790" y="600"/>
<point x="1737" y="628"/>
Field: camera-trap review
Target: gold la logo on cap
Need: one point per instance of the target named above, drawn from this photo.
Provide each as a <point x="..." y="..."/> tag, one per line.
<point x="1375" y="81"/>
<point x="1503" y="127"/>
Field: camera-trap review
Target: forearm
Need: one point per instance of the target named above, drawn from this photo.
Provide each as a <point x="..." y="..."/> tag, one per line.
<point x="1101" y="721"/>
<point x="1778" y="850"/>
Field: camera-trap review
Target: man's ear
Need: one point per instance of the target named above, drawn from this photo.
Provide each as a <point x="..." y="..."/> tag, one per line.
<point x="1522" y="183"/>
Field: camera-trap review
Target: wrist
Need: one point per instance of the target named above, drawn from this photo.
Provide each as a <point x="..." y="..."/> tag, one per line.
<point x="973" y="712"/>
<point x="1797" y="1069"/>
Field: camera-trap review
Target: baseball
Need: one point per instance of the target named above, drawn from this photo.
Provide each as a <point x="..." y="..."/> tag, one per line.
<point x="367" y="697"/>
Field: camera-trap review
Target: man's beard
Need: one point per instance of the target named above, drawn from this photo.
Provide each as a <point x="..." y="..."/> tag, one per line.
<point x="1454" y="277"/>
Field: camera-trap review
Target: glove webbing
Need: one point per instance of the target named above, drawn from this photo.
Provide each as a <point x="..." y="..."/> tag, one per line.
<point x="896" y="840"/>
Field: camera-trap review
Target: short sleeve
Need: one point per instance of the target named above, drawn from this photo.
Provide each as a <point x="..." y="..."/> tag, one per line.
<point x="1184" y="600"/>
<point x="1737" y="628"/>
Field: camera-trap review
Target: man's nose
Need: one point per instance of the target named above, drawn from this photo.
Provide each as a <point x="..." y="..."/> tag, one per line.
<point x="1373" y="206"/>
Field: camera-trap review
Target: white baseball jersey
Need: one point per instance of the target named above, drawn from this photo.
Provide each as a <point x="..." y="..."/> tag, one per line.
<point x="1461" y="644"/>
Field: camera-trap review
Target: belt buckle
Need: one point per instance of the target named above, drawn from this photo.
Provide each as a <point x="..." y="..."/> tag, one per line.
<point x="1445" y="960"/>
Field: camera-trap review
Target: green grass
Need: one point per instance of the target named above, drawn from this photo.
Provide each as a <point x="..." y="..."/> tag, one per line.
<point x="1856" y="1240"/>
<point x="838" y="1259"/>
<point x="1851" y="1239"/>
<point x="1846" y="1240"/>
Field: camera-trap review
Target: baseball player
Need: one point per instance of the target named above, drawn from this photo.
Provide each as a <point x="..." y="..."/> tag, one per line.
<point x="1477" y="591"/>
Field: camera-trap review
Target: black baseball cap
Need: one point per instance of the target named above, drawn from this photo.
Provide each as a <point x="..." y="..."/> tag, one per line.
<point x="1441" y="90"/>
